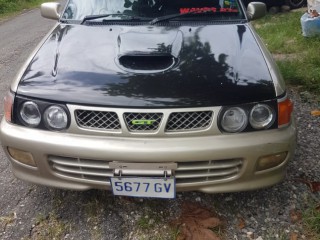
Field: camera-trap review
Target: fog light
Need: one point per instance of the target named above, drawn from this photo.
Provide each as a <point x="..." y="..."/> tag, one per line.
<point x="271" y="161"/>
<point x="22" y="156"/>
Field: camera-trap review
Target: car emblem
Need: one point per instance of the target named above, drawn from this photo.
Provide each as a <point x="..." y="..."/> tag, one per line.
<point x="142" y="122"/>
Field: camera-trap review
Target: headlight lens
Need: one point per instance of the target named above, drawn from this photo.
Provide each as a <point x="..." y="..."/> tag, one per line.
<point x="234" y="120"/>
<point x="261" y="116"/>
<point x="30" y="114"/>
<point x="55" y="118"/>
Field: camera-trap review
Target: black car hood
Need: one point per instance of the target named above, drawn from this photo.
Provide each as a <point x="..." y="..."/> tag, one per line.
<point x="149" y="66"/>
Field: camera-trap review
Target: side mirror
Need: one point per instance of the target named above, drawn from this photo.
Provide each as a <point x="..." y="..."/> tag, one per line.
<point x="50" y="10"/>
<point x="256" y="10"/>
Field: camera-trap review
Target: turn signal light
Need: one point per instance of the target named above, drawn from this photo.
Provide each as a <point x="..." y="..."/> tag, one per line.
<point x="285" y="109"/>
<point x="22" y="156"/>
<point x="271" y="161"/>
<point x="8" y="103"/>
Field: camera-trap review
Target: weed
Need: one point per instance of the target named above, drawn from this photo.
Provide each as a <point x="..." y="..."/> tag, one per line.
<point x="143" y="223"/>
<point x="219" y="231"/>
<point x="7" y="220"/>
<point x="50" y="227"/>
<point x="311" y="221"/>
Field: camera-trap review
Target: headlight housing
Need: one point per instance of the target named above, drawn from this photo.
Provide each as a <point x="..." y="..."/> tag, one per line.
<point x="262" y="116"/>
<point x="55" y="118"/>
<point x="30" y="114"/>
<point x="40" y="114"/>
<point x="248" y="117"/>
<point x="234" y="120"/>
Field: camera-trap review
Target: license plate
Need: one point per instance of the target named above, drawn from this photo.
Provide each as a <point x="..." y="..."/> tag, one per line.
<point x="144" y="187"/>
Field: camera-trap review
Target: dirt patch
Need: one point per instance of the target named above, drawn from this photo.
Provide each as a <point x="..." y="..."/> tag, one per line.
<point x="285" y="57"/>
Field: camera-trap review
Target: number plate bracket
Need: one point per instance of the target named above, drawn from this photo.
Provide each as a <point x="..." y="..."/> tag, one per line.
<point x="121" y="169"/>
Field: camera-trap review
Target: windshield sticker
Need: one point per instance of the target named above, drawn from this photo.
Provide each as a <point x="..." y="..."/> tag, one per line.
<point x="207" y="9"/>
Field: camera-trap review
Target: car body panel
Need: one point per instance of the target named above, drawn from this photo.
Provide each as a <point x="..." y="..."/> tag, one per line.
<point x="225" y="60"/>
<point x="247" y="146"/>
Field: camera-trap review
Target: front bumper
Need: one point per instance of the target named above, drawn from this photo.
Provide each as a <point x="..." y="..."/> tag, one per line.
<point x="245" y="147"/>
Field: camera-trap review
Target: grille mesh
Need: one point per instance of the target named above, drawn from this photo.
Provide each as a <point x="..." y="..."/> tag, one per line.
<point x="188" y="121"/>
<point x="97" y="120"/>
<point x="143" y="121"/>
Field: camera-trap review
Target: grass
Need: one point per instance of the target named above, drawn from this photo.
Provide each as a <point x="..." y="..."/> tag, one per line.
<point x="297" y="56"/>
<point x="50" y="227"/>
<point x="11" y="7"/>
<point x="311" y="222"/>
<point x="7" y="220"/>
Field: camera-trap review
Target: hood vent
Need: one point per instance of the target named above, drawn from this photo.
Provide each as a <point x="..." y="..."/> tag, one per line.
<point x="149" y="50"/>
<point x="147" y="63"/>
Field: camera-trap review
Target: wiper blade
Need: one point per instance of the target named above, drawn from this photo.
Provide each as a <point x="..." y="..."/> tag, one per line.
<point x="177" y="15"/>
<point x="93" y="17"/>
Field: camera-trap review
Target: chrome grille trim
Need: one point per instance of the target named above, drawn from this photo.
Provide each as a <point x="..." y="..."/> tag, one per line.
<point x="97" y="120"/>
<point x="187" y="172"/>
<point x="154" y="118"/>
<point x="189" y="121"/>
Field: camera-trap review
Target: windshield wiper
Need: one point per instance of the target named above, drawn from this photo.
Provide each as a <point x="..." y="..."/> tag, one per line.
<point x="93" y="17"/>
<point x="177" y="15"/>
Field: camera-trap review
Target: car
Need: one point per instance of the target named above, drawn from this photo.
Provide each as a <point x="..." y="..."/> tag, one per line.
<point x="296" y="3"/>
<point x="149" y="98"/>
<point x="292" y="3"/>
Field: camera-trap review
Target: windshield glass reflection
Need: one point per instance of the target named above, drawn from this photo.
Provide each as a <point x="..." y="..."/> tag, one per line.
<point x="79" y="9"/>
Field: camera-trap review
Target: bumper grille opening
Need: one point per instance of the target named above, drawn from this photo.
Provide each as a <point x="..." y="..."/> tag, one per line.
<point x="187" y="172"/>
<point x="208" y="171"/>
<point x="97" y="120"/>
<point x="92" y="170"/>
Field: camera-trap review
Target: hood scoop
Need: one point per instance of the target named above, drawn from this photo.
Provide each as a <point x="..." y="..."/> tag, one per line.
<point x="149" y="51"/>
<point x="147" y="63"/>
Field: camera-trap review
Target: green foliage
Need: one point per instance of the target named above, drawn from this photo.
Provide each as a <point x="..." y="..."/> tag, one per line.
<point x="311" y="220"/>
<point x="10" y="6"/>
<point x="297" y="57"/>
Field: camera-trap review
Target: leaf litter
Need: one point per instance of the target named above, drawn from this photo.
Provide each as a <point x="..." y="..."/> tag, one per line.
<point x="197" y="222"/>
<point x="314" y="186"/>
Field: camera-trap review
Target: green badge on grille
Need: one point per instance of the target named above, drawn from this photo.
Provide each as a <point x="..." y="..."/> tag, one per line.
<point x="142" y="122"/>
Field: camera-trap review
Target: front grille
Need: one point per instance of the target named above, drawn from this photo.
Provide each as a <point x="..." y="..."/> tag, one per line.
<point x="97" y="120"/>
<point x="137" y="122"/>
<point x="115" y="120"/>
<point x="187" y="172"/>
<point x="189" y="121"/>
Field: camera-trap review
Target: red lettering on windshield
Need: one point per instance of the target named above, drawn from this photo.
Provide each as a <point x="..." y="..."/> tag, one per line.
<point x="184" y="10"/>
<point x="207" y="9"/>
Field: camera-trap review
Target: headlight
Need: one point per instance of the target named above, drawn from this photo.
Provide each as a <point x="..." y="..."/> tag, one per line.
<point x="55" y="118"/>
<point x="261" y="116"/>
<point x="234" y="120"/>
<point x="30" y="114"/>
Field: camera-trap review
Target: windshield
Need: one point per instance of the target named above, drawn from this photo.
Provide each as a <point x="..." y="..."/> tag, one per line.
<point x="113" y="9"/>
